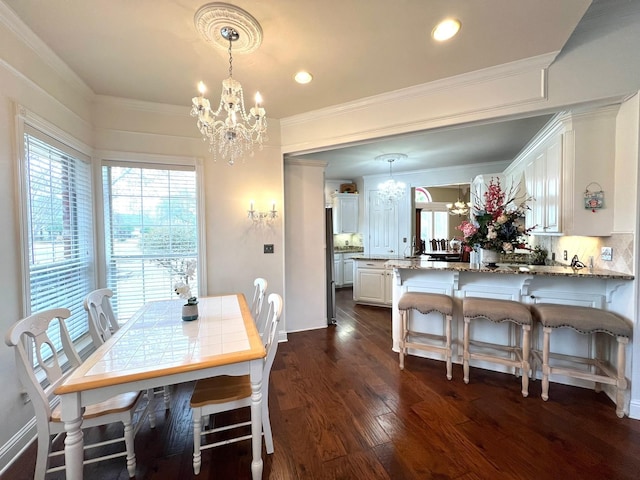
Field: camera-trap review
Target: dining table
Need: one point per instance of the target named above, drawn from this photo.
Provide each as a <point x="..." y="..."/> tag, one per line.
<point x="154" y="348"/>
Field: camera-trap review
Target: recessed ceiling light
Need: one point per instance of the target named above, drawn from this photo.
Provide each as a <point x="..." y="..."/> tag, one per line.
<point x="303" y="77"/>
<point x="446" y="29"/>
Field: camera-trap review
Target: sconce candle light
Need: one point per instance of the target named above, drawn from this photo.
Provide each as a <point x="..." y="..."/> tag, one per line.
<point x="264" y="216"/>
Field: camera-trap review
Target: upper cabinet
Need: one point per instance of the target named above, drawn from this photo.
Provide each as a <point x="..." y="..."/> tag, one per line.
<point x="345" y="212"/>
<point x="542" y="175"/>
<point x="570" y="156"/>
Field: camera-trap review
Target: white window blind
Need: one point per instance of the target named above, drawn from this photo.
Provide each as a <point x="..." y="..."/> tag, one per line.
<point x="59" y="236"/>
<point x="151" y="232"/>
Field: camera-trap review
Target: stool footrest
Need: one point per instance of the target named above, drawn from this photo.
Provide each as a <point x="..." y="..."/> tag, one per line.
<point x="609" y="375"/>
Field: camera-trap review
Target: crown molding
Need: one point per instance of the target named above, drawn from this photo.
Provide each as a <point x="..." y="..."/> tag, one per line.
<point x="537" y="63"/>
<point x="11" y="20"/>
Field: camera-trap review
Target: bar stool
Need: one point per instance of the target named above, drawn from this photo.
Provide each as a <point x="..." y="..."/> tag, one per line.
<point x="426" y="303"/>
<point x="498" y="311"/>
<point x="587" y="321"/>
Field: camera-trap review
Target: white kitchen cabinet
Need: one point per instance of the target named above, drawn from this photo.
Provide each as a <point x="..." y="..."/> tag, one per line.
<point x="338" y="271"/>
<point x="345" y="212"/>
<point x="570" y="155"/>
<point x="543" y="173"/>
<point x="372" y="283"/>
<point x="347" y="268"/>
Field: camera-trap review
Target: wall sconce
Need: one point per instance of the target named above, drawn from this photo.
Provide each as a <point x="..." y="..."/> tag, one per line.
<point x="262" y="217"/>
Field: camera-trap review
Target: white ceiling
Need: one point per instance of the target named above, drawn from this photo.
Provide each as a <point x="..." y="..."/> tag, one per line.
<point x="150" y="50"/>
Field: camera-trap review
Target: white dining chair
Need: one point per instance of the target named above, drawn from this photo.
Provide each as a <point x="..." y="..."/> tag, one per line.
<point x="103" y="324"/>
<point x="225" y="393"/>
<point x="259" y="292"/>
<point x="42" y="369"/>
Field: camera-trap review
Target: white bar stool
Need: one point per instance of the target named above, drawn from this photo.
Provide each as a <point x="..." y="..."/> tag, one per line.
<point x="498" y="311"/>
<point x="426" y="303"/>
<point x="587" y="321"/>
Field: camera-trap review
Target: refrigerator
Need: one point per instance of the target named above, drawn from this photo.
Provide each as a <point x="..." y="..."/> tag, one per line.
<point x="331" y="284"/>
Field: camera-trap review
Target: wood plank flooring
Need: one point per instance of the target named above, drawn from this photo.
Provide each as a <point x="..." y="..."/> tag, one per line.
<point x="341" y="409"/>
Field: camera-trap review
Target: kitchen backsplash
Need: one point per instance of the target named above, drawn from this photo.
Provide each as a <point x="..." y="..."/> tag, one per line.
<point x="343" y="240"/>
<point x="585" y="247"/>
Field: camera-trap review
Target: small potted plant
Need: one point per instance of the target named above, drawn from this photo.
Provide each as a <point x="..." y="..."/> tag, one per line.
<point x="183" y="290"/>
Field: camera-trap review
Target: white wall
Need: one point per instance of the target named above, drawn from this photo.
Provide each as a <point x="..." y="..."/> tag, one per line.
<point x="306" y="248"/>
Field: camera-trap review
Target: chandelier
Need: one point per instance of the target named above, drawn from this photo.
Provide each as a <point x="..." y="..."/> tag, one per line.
<point x="391" y="190"/>
<point x="231" y="132"/>
<point x="459" y="208"/>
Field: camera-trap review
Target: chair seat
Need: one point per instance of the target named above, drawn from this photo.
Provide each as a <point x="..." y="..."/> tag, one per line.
<point x="496" y="310"/>
<point x="117" y="404"/>
<point x="222" y="389"/>
<point x="426" y="302"/>
<point x="582" y="319"/>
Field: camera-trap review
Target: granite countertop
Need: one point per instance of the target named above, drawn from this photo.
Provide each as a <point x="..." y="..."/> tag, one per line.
<point x="505" y="268"/>
<point x="369" y="256"/>
<point x="348" y="250"/>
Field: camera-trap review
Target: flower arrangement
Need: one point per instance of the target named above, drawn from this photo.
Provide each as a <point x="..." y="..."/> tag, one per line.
<point x="497" y="225"/>
<point x="182" y="287"/>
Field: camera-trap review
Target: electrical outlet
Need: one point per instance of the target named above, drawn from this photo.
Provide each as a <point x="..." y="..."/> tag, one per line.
<point x="268" y="248"/>
<point x="606" y="254"/>
<point x="564" y="255"/>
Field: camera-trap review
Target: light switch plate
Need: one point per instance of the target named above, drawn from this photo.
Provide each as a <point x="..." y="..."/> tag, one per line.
<point x="268" y="248"/>
<point x="606" y="254"/>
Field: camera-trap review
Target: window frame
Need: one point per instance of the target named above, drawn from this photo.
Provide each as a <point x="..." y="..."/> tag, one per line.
<point x="27" y="122"/>
<point x="159" y="161"/>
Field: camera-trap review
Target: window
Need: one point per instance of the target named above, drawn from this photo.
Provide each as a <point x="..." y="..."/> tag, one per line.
<point x="58" y="225"/>
<point x="434" y="221"/>
<point x="151" y="231"/>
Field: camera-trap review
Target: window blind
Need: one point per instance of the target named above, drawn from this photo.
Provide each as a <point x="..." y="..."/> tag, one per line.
<point x="59" y="236"/>
<point x="151" y="232"/>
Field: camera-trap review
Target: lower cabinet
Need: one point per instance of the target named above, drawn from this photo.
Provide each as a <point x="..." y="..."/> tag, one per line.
<point x="343" y="268"/>
<point x="347" y="268"/>
<point x="338" y="271"/>
<point x="372" y="283"/>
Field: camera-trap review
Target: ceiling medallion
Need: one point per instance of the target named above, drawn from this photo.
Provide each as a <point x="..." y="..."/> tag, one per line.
<point x="211" y="18"/>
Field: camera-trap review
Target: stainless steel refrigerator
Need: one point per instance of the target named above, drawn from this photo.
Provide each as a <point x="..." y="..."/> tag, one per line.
<point x="331" y="284"/>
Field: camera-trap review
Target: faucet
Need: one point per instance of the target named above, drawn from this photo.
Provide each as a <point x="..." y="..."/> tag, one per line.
<point x="576" y="263"/>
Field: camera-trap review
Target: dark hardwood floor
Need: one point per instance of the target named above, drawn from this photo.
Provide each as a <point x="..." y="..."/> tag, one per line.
<point x="341" y="409"/>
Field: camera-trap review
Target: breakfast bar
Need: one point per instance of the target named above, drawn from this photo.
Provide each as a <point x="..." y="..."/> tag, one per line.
<point x="527" y="284"/>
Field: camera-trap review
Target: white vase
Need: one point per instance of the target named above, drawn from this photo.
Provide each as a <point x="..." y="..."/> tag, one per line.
<point x="190" y="312"/>
<point x="489" y="257"/>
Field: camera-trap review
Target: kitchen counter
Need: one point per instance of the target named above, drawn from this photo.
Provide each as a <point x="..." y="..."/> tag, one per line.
<point x="372" y="257"/>
<point x="348" y="250"/>
<point x="527" y="284"/>
<point x="506" y="269"/>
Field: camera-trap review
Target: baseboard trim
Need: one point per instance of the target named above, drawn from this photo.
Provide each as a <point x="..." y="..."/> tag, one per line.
<point x="17" y="444"/>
